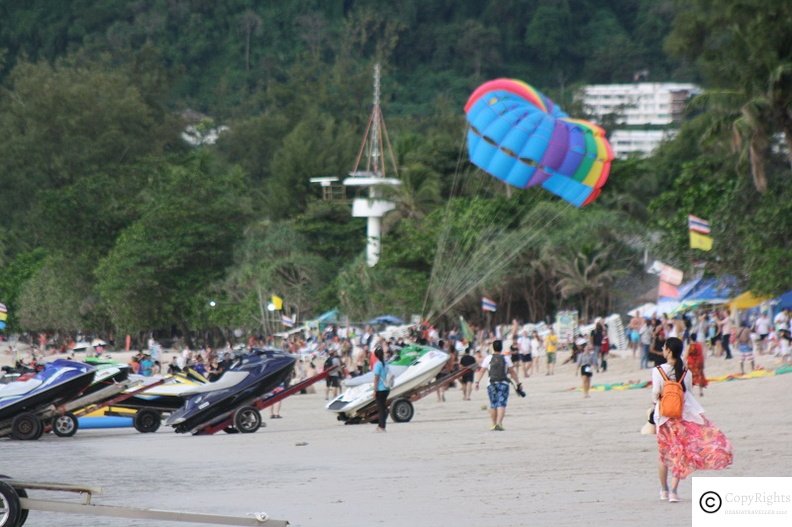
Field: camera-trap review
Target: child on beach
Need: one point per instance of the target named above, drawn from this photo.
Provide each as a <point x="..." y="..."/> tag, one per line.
<point x="687" y="443"/>
<point x="587" y="361"/>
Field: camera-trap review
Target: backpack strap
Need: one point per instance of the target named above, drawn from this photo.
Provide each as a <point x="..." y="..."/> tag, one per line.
<point x="667" y="379"/>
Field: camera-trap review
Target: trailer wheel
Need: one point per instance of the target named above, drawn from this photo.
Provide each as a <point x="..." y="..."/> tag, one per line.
<point x="23" y="513"/>
<point x="26" y="426"/>
<point x="402" y="410"/>
<point x="10" y="508"/>
<point x="65" y="425"/>
<point x="147" y="421"/>
<point x="247" y="420"/>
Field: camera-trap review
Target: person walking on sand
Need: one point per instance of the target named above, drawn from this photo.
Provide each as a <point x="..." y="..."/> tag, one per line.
<point x="587" y="362"/>
<point x="381" y="387"/>
<point x="526" y="356"/>
<point x="687" y="443"/>
<point x="695" y="363"/>
<point x="499" y="367"/>
<point x="743" y="339"/>
<point x="725" y="326"/>
<point x="551" y="347"/>
<point x="467" y="361"/>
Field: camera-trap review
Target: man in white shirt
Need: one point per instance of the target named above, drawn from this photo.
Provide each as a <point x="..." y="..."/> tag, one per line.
<point x="500" y="368"/>
<point x="762" y="329"/>
<point x="781" y="320"/>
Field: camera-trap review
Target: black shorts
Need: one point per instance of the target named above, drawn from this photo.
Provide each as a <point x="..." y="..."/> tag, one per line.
<point x="526" y="357"/>
<point x="763" y="336"/>
<point x="333" y="382"/>
<point x="585" y="370"/>
<point x="467" y="377"/>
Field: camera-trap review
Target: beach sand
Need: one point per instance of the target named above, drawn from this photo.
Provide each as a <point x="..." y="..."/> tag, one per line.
<point x="562" y="461"/>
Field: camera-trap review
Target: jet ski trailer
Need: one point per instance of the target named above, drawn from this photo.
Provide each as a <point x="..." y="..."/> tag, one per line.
<point x="401" y="407"/>
<point x="247" y="419"/>
<point x="15" y="506"/>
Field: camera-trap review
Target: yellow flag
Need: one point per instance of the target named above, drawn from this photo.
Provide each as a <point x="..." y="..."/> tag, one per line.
<point x="3" y="316"/>
<point x="700" y="241"/>
<point x="277" y="302"/>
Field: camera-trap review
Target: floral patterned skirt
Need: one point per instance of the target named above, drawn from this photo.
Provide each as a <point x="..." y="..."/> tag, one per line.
<point x="686" y="446"/>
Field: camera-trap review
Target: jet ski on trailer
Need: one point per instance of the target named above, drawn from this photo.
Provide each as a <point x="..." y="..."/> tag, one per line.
<point x="414" y="367"/>
<point x="23" y="403"/>
<point x="252" y="376"/>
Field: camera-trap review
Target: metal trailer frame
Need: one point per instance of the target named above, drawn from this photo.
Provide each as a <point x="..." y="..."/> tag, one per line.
<point x="15" y="505"/>
<point x="401" y="408"/>
<point x="260" y="403"/>
<point x="80" y="406"/>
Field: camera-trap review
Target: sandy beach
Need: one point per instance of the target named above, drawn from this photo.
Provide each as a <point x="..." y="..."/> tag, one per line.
<point x="562" y="461"/>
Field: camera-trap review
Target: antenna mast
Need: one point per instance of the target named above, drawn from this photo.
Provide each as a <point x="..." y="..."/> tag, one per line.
<point x="373" y="177"/>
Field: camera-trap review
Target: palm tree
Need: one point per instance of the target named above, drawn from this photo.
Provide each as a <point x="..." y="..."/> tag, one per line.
<point x="417" y="195"/>
<point x="588" y="275"/>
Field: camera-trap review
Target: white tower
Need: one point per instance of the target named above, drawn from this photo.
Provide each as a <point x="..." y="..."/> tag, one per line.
<point x="373" y="177"/>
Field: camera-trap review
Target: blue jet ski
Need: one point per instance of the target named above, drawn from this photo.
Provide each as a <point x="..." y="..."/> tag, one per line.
<point x="59" y="382"/>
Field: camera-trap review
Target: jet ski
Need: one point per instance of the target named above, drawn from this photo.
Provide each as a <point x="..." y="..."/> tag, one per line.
<point x="413" y="367"/>
<point x="252" y="376"/>
<point x="107" y="375"/>
<point x="60" y="381"/>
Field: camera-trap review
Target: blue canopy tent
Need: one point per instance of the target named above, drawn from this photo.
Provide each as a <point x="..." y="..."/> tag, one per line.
<point x="386" y="320"/>
<point x="783" y="302"/>
<point x="714" y="290"/>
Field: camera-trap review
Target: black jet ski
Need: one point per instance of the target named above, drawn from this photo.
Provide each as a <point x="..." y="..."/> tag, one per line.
<point x="249" y="378"/>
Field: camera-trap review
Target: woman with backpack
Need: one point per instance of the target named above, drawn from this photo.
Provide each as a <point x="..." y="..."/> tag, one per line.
<point x="686" y="440"/>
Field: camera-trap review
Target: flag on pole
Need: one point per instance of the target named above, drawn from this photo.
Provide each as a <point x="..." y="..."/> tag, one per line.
<point x="277" y="302"/>
<point x="287" y="321"/>
<point x="698" y="225"/>
<point x="3" y="316"/>
<point x="700" y="241"/>
<point x="2" y="325"/>
<point x="465" y="329"/>
<point x="488" y="304"/>
<point x="3" y="308"/>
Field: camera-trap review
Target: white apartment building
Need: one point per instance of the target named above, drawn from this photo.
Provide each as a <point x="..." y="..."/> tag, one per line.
<point x="649" y="112"/>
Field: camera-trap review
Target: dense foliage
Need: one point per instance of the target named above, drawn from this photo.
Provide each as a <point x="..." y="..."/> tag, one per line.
<point x="111" y="222"/>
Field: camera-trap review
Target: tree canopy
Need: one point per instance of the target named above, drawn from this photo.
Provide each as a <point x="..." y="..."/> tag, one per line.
<point x="112" y="222"/>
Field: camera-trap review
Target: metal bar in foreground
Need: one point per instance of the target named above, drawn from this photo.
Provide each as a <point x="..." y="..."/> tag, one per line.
<point x="258" y="519"/>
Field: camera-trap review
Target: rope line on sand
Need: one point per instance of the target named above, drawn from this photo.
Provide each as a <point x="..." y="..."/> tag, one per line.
<point x="758" y="373"/>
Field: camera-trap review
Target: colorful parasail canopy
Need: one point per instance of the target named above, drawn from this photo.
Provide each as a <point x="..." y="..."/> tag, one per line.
<point x="519" y="136"/>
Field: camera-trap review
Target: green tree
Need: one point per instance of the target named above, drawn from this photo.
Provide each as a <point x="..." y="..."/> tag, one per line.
<point x="162" y="264"/>
<point x="319" y="146"/>
<point x="58" y="297"/>
<point x="755" y="98"/>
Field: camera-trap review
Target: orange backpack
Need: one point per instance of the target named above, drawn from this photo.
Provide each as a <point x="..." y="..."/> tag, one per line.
<point x="672" y="398"/>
